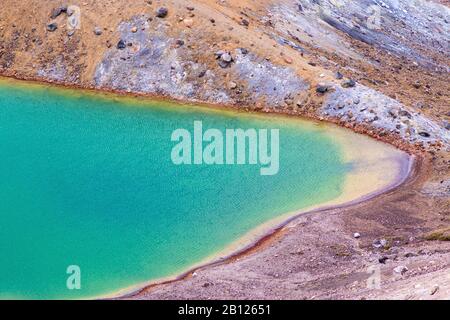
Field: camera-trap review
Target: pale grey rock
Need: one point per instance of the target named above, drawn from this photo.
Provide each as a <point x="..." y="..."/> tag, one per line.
<point x="381" y="112"/>
<point x="401" y="270"/>
<point x="266" y="80"/>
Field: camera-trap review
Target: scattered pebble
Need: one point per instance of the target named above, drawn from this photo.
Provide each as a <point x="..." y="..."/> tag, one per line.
<point x="245" y="22"/>
<point x="434" y="290"/>
<point x="98" y="31"/>
<point x="179" y="43"/>
<point x="225" y="58"/>
<point x="52" y="27"/>
<point x="288" y="60"/>
<point x="121" y="45"/>
<point x="446" y="125"/>
<point x="232" y="85"/>
<point x="383" y="259"/>
<point x="322" y="88"/>
<point x="401" y="270"/>
<point x="162" y="12"/>
<point x="349" y="83"/>
<point x="58" y="11"/>
<point x="243" y="51"/>
<point x="379" y="243"/>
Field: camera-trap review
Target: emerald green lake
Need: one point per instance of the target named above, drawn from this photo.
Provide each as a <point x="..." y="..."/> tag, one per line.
<point x="88" y="180"/>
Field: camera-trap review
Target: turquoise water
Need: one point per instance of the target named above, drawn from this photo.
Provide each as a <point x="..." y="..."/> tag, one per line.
<point x="88" y="180"/>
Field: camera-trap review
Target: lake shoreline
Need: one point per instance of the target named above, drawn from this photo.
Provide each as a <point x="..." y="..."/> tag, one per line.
<point x="275" y="232"/>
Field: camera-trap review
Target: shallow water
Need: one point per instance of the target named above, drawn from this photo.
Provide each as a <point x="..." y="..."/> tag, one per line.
<point x="88" y="180"/>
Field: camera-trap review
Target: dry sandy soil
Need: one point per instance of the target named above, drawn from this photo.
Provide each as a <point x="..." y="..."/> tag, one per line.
<point x="280" y="56"/>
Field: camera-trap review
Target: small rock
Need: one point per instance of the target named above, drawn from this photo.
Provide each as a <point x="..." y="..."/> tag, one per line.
<point x="243" y="51"/>
<point x="424" y="134"/>
<point x="322" y="88"/>
<point x="350" y="114"/>
<point x="339" y="75"/>
<point x="121" y="45"/>
<point x="379" y="243"/>
<point x="219" y="54"/>
<point x="58" y="11"/>
<point x="232" y="85"/>
<point x="401" y="270"/>
<point x="224" y="64"/>
<point x="383" y="259"/>
<point x="245" y="22"/>
<point x="348" y="83"/>
<point x="392" y="114"/>
<point x="179" y="43"/>
<point x="356" y="235"/>
<point x="134" y="29"/>
<point x="446" y="125"/>
<point x="52" y="27"/>
<point x="162" y="12"/>
<point x="404" y="113"/>
<point x="288" y="60"/>
<point x="225" y="59"/>
<point x="434" y="290"/>
<point x="98" y="31"/>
